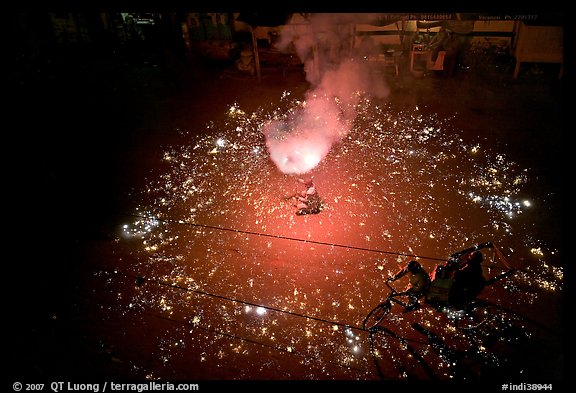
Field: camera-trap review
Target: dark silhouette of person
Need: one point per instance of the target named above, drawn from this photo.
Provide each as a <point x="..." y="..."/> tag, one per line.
<point x="468" y="281"/>
<point x="419" y="283"/>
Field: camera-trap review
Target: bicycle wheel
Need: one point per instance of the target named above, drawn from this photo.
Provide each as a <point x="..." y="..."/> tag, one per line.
<point x="376" y="315"/>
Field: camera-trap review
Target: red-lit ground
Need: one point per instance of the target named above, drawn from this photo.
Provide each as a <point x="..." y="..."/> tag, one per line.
<point x="165" y="294"/>
<point x="403" y="183"/>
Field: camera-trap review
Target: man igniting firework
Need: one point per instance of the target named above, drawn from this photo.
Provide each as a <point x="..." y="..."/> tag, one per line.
<point x="307" y="201"/>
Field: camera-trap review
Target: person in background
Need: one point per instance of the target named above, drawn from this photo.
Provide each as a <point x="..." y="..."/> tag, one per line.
<point x="469" y="280"/>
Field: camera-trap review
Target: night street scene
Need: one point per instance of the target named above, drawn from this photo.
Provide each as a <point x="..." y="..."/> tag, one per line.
<point x="235" y="199"/>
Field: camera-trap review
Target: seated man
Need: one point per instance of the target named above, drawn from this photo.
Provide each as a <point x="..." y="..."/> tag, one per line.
<point x="419" y="283"/>
<point x="308" y="201"/>
<point x="468" y="281"/>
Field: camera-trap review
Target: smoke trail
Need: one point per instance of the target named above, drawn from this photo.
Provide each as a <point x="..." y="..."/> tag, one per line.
<point x="339" y="76"/>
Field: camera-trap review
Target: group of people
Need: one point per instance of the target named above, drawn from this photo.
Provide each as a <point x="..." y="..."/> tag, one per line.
<point x="458" y="282"/>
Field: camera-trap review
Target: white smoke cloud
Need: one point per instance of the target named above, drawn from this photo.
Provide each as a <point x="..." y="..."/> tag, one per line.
<point x="339" y="76"/>
<point x="298" y="143"/>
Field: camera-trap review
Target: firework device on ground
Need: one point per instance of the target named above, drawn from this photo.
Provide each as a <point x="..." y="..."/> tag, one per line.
<point x="469" y="315"/>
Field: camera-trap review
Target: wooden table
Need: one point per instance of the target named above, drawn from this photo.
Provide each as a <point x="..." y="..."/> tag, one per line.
<point x="537" y="44"/>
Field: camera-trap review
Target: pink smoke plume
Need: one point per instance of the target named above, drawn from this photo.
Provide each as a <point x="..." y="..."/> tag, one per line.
<point x="339" y="77"/>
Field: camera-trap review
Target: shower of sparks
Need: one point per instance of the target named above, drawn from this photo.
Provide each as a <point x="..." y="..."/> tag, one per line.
<point x="398" y="180"/>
